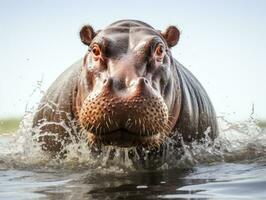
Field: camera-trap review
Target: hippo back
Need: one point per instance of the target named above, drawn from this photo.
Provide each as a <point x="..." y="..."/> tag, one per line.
<point x="197" y="115"/>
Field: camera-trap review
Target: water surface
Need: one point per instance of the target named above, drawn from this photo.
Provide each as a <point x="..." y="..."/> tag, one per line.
<point x="233" y="168"/>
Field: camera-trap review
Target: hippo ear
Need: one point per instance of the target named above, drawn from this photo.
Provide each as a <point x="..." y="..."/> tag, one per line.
<point x="171" y="35"/>
<point x="87" y="34"/>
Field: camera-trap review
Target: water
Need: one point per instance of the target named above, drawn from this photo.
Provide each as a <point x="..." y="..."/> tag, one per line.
<point x="234" y="167"/>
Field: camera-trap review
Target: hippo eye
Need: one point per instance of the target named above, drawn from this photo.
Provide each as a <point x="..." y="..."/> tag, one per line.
<point x="96" y="51"/>
<point x="160" y="51"/>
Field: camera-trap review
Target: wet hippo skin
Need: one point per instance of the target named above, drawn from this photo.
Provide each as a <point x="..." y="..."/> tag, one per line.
<point x="127" y="91"/>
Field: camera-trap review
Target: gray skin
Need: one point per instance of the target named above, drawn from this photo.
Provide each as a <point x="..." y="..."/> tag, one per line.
<point x="128" y="59"/>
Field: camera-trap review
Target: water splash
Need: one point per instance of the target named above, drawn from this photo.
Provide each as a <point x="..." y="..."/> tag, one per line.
<point x="241" y="141"/>
<point x="237" y="142"/>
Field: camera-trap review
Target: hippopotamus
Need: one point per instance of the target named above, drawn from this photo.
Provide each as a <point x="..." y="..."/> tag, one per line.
<point x="127" y="91"/>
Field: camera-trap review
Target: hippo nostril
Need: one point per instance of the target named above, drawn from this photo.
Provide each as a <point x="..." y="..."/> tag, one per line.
<point x="143" y="81"/>
<point x="143" y="87"/>
<point x="146" y="81"/>
<point x="132" y="83"/>
<point x="108" y="82"/>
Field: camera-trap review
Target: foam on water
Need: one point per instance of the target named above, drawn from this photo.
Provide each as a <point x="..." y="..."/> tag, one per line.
<point x="237" y="142"/>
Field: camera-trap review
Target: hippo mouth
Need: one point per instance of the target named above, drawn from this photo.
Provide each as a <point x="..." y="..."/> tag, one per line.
<point x="125" y="138"/>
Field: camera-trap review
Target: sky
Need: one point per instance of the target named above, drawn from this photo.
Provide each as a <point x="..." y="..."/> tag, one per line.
<point x="223" y="43"/>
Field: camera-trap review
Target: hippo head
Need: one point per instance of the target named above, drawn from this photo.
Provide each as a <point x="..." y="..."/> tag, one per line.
<point x="128" y="90"/>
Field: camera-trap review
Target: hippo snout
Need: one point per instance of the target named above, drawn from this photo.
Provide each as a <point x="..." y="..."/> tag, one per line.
<point x="124" y="116"/>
